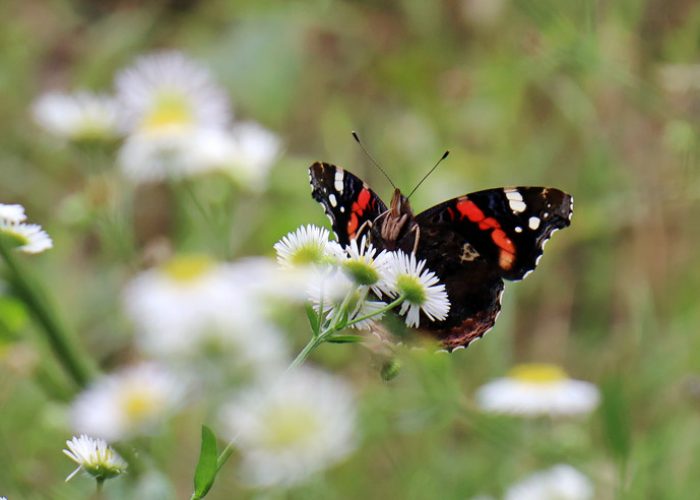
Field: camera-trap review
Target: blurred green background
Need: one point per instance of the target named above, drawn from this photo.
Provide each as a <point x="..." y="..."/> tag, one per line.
<point x="600" y="99"/>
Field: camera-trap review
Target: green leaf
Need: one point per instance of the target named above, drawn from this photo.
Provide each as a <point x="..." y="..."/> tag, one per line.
<point x="314" y="319"/>
<point x="345" y="339"/>
<point x="205" y="474"/>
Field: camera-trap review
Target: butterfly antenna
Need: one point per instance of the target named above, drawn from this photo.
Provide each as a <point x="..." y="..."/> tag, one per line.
<point x="445" y="155"/>
<point x="357" y="138"/>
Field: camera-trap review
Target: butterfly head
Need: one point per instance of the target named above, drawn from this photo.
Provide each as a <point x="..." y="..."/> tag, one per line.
<point x="398" y="219"/>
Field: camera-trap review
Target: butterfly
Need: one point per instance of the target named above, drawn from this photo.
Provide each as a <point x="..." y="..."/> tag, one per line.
<point x="472" y="243"/>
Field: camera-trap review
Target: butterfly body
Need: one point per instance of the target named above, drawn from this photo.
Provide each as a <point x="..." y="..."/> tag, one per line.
<point x="472" y="242"/>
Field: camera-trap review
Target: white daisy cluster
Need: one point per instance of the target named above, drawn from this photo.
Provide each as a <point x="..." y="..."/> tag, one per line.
<point x="28" y="238"/>
<point x="176" y="120"/>
<point x="538" y="390"/>
<point x="345" y="280"/>
<point x="291" y="429"/>
<point x="95" y="457"/>
<point x="193" y="307"/>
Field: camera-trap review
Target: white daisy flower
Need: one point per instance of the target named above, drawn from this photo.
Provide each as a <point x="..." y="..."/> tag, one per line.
<point x="561" y="482"/>
<point x="81" y="116"/>
<point x="292" y="429"/>
<point x="95" y="457"/>
<point x="308" y="245"/>
<point x="421" y="288"/>
<point x="538" y="389"/>
<point x="154" y="156"/>
<point x="363" y="266"/>
<point x="271" y="284"/>
<point x="12" y="214"/>
<point x="166" y="91"/>
<point x="132" y="402"/>
<point x="335" y="289"/>
<point x="193" y="306"/>
<point x="28" y="238"/>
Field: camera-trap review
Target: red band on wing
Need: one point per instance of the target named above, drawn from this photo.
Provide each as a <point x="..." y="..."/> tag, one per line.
<point x="468" y="209"/>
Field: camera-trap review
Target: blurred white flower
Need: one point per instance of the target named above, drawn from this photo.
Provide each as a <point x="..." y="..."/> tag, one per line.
<point x="561" y="482"/>
<point x="154" y="156"/>
<point x="269" y="283"/>
<point x="80" y="116"/>
<point x="421" y="288"/>
<point x="12" y="214"/>
<point x="29" y="238"/>
<point x="192" y="306"/>
<point x="167" y="91"/>
<point x="308" y="245"/>
<point x="95" y="457"/>
<point x="131" y="402"/>
<point x="363" y="266"/>
<point x="246" y="152"/>
<point x="538" y="389"/>
<point x="289" y="430"/>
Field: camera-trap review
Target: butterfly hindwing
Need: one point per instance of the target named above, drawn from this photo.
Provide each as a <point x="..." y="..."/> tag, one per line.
<point x="347" y="200"/>
<point x="507" y="227"/>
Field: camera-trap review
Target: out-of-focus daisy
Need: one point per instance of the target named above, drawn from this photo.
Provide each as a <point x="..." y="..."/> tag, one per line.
<point x="421" y="288"/>
<point x="168" y="90"/>
<point x="132" y="402"/>
<point x="82" y="116"/>
<point x="12" y="214"/>
<point x="95" y="457"/>
<point x="308" y="245"/>
<point x="561" y="482"/>
<point x="538" y="389"/>
<point x="192" y="305"/>
<point x="246" y="152"/>
<point x="27" y="238"/>
<point x="292" y="429"/>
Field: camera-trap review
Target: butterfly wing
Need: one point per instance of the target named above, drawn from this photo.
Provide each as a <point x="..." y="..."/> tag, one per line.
<point x="348" y="201"/>
<point x="506" y="226"/>
<point x="475" y="241"/>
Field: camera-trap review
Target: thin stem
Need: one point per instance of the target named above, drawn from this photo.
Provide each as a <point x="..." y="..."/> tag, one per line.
<point x="308" y="348"/>
<point x="387" y="308"/>
<point x="57" y="335"/>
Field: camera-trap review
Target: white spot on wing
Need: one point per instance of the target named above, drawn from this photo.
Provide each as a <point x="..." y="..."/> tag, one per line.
<point x="518" y="229"/>
<point x="517" y="206"/>
<point x="533" y="222"/>
<point x="338" y="184"/>
<point x="342" y="210"/>
<point x="333" y="200"/>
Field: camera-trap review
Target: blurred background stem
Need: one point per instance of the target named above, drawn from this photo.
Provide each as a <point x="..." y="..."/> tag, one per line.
<point x="28" y="289"/>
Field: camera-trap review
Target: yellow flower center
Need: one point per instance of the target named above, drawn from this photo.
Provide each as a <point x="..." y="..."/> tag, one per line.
<point x="188" y="268"/>
<point x="538" y="373"/>
<point x="170" y="108"/>
<point x="139" y="404"/>
<point x="308" y="254"/>
<point x="289" y="426"/>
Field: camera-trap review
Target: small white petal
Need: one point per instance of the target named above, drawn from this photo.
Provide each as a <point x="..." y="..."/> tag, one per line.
<point x="561" y="482"/>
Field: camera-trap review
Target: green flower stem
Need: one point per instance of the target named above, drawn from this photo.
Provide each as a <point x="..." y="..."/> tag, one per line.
<point x="387" y="308"/>
<point x="29" y="291"/>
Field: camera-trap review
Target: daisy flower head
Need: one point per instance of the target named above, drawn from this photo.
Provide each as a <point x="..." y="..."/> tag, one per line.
<point x="27" y="238"/>
<point x="289" y="430"/>
<point x="362" y="264"/>
<point x="561" y="482"/>
<point x="538" y="390"/>
<point x="168" y="91"/>
<point x="306" y="246"/>
<point x="81" y="116"/>
<point x="131" y="402"/>
<point x="95" y="457"/>
<point x="193" y="306"/>
<point x="405" y="276"/>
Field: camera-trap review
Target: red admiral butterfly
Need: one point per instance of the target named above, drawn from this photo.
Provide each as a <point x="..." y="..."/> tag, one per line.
<point x="472" y="243"/>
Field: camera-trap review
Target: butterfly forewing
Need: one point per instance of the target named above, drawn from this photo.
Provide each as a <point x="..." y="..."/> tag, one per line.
<point x="348" y="201"/>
